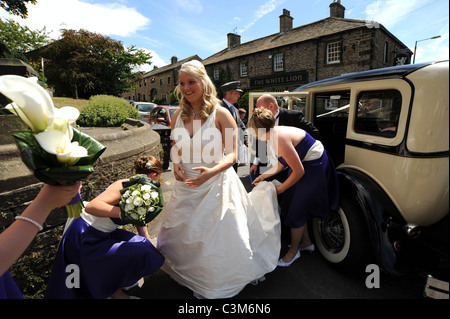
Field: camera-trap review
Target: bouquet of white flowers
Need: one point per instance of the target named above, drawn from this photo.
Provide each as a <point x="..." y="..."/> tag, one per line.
<point x="141" y="200"/>
<point x="57" y="153"/>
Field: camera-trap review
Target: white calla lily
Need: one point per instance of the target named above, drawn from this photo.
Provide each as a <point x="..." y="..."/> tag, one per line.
<point x="63" y="119"/>
<point x="76" y="152"/>
<point x="35" y="104"/>
<point x="13" y="108"/>
<point x="58" y="143"/>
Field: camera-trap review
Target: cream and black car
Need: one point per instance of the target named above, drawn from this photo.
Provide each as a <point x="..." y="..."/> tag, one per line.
<point x="387" y="131"/>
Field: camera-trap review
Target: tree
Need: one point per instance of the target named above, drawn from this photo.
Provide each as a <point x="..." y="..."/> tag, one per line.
<point x="21" y="39"/>
<point x="83" y="63"/>
<point x="16" y="7"/>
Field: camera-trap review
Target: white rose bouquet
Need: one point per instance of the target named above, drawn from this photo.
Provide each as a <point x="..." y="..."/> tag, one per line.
<point x="141" y="200"/>
<point x="57" y="153"/>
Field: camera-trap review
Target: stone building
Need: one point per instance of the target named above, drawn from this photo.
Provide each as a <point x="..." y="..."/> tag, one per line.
<point x="289" y="58"/>
<point x="295" y="56"/>
<point x="158" y="83"/>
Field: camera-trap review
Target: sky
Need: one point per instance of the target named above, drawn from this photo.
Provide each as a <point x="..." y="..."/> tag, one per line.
<point x="183" y="28"/>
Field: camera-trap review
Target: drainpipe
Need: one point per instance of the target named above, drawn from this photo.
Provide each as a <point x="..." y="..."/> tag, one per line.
<point x="317" y="58"/>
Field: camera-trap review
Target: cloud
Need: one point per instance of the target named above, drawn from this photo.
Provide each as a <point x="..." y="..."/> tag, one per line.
<point x="191" y="6"/>
<point x="262" y="10"/>
<point x="107" y="19"/>
<point x="434" y="50"/>
<point x="197" y="36"/>
<point x="155" y="61"/>
<point x="391" y="12"/>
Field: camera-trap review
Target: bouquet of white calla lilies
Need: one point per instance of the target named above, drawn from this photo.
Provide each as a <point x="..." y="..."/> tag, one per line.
<point x="51" y="147"/>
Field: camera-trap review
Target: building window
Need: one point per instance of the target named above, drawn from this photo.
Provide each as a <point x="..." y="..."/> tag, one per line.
<point x="334" y="52"/>
<point x="153" y="80"/>
<point x="160" y="82"/>
<point x="216" y="73"/>
<point x="243" y="68"/>
<point x="278" y="62"/>
<point x="168" y="80"/>
<point x="386" y="52"/>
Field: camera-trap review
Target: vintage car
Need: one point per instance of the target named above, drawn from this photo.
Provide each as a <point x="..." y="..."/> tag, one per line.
<point x="387" y="131"/>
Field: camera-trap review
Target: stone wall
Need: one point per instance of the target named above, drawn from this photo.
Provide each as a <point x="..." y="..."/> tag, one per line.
<point x="18" y="186"/>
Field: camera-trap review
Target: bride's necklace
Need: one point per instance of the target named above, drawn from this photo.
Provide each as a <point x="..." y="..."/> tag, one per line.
<point x="195" y="114"/>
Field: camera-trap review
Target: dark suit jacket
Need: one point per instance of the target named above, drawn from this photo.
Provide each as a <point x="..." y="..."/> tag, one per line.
<point x="241" y="126"/>
<point x="297" y="119"/>
<point x="242" y="133"/>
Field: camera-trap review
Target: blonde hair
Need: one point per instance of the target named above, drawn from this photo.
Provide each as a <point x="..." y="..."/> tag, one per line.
<point x="147" y="165"/>
<point x="196" y="69"/>
<point x="261" y="119"/>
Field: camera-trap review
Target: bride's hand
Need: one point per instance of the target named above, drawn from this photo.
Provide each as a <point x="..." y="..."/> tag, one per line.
<point x="202" y="177"/>
<point x="178" y="172"/>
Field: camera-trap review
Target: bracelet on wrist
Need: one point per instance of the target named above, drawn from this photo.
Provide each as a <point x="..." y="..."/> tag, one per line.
<point x="35" y="223"/>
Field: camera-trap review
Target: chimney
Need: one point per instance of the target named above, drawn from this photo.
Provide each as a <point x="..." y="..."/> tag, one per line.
<point x="337" y="10"/>
<point x="233" y="40"/>
<point x="174" y="60"/>
<point x="285" y="21"/>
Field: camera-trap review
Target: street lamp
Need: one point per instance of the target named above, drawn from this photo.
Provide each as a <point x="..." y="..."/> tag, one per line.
<point x="415" y="46"/>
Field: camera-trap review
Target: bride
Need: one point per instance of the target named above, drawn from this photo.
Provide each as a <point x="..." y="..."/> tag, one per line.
<point x="215" y="237"/>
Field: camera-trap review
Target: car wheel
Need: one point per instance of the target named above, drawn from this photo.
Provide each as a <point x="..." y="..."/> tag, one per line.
<point x="342" y="238"/>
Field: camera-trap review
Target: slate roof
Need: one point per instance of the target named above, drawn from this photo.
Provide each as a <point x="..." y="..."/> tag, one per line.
<point x="170" y="66"/>
<point x="324" y="27"/>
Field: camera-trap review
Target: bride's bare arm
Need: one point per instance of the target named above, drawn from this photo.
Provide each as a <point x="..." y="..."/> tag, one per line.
<point x="178" y="171"/>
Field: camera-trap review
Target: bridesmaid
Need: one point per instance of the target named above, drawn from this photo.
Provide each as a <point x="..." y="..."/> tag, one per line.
<point x="108" y="258"/>
<point x="311" y="189"/>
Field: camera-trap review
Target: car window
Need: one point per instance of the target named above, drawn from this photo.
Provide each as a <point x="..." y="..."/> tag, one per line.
<point x="145" y="107"/>
<point x="378" y="112"/>
<point x="154" y="113"/>
<point x="331" y="104"/>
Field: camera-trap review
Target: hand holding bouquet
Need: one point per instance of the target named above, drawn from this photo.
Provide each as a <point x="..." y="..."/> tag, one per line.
<point x="57" y="153"/>
<point x="141" y="200"/>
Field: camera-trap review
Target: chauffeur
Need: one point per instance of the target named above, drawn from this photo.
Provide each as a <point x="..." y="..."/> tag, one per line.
<point x="231" y="92"/>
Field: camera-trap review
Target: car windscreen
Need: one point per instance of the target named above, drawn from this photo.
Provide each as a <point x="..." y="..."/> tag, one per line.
<point x="145" y="107"/>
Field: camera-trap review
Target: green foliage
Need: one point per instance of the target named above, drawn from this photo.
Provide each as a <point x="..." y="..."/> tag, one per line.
<point x="16" y="7"/>
<point x="106" y="111"/>
<point x="19" y="38"/>
<point x="244" y="101"/>
<point x="89" y="64"/>
<point x="41" y="76"/>
<point x="173" y="100"/>
<point x="32" y="271"/>
<point x="160" y="101"/>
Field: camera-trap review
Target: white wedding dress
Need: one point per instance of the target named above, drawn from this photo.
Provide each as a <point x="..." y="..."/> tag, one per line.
<point x="216" y="238"/>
